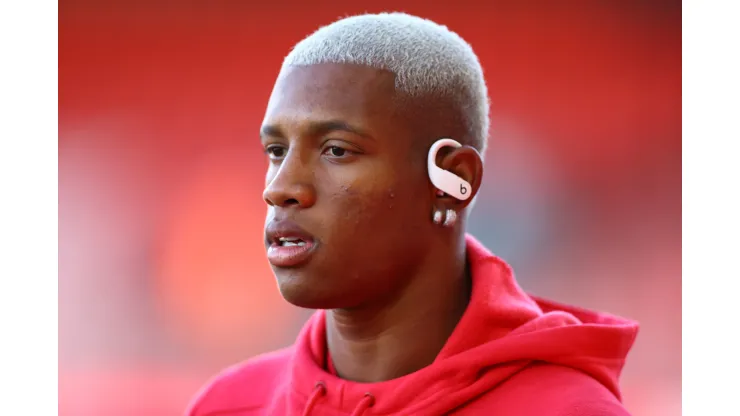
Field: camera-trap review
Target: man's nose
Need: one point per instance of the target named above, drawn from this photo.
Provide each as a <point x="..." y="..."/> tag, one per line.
<point x="292" y="185"/>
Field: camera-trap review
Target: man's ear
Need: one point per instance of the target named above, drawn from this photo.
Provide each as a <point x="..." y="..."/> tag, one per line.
<point x="465" y="162"/>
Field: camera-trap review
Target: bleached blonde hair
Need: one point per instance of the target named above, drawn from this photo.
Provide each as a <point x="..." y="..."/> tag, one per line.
<point x="427" y="59"/>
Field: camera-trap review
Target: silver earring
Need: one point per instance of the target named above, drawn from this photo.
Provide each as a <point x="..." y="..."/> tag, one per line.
<point x="450" y="218"/>
<point x="437" y="217"/>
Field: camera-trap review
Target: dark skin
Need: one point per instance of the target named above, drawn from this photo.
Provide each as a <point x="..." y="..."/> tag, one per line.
<point x="348" y="165"/>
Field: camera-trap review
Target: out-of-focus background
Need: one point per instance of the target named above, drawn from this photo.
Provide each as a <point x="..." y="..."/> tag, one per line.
<point x="162" y="276"/>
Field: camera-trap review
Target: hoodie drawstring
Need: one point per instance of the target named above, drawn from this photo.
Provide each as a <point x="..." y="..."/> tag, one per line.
<point x="319" y="391"/>
<point x="367" y="402"/>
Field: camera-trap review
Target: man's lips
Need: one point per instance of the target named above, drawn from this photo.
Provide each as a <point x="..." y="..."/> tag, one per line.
<point x="288" y="245"/>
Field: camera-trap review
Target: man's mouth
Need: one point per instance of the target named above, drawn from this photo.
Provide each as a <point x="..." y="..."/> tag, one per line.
<point x="290" y="251"/>
<point x="290" y="242"/>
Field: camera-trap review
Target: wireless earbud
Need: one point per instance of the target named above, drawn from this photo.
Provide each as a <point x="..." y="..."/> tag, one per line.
<point x="443" y="180"/>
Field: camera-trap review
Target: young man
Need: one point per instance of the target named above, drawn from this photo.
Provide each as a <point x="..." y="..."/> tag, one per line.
<point x="414" y="316"/>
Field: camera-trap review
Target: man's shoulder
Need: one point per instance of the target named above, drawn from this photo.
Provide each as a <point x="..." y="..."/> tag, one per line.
<point x="242" y="386"/>
<point x="548" y="389"/>
<point x="566" y="391"/>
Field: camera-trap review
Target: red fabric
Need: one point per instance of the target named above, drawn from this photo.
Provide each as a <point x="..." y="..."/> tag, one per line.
<point x="330" y="365"/>
<point x="511" y="353"/>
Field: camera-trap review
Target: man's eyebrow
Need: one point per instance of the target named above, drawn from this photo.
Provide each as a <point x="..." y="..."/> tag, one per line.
<point x="337" y="125"/>
<point x="317" y="128"/>
<point x="270" y="131"/>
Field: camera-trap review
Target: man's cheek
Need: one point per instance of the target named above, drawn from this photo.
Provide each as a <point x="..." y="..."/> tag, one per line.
<point x="359" y="218"/>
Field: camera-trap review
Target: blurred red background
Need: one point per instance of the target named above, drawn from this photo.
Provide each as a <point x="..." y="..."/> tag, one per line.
<point x="162" y="273"/>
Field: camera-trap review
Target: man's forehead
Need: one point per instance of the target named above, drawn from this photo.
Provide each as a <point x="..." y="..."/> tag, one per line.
<point x="331" y="92"/>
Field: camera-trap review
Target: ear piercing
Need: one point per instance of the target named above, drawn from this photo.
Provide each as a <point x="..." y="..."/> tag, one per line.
<point x="437" y="217"/>
<point x="447" y="219"/>
<point x="450" y="218"/>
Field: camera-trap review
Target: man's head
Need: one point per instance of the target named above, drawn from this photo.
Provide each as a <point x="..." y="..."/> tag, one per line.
<point x="352" y="115"/>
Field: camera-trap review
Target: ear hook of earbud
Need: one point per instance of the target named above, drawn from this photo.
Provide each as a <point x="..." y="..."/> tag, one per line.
<point x="443" y="180"/>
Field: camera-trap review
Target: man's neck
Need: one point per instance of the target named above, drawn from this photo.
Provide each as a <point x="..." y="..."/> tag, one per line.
<point x="387" y="341"/>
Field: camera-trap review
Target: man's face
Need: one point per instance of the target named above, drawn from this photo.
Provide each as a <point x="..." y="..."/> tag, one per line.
<point x="349" y="202"/>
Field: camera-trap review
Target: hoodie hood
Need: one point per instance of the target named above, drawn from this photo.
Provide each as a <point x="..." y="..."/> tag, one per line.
<point x="502" y="331"/>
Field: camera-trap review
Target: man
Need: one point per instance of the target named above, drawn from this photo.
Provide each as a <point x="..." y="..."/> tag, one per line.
<point x="414" y="316"/>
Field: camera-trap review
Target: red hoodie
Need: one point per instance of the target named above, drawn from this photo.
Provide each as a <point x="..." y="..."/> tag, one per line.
<point x="510" y="354"/>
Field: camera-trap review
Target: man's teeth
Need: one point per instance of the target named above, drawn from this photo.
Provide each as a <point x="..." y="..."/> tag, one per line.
<point x="296" y="243"/>
<point x="289" y="242"/>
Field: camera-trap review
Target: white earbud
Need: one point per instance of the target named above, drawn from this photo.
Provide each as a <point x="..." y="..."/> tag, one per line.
<point x="443" y="180"/>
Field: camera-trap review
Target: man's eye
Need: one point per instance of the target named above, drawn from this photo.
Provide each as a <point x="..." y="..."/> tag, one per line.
<point x="275" y="152"/>
<point x="336" y="151"/>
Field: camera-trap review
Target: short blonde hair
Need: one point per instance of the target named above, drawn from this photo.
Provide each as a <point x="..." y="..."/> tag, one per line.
<point x="426" y="58"/>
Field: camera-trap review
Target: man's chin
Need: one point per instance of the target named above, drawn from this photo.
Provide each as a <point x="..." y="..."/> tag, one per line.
<point x="305" y="300"/>
<point x="296" y="288"/>
<point x="304" y="294"/>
